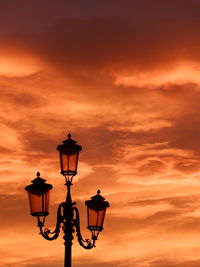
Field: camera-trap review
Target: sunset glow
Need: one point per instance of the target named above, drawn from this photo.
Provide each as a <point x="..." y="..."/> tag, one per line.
<point x="180" y="74"/>
<point x="123" y="77"/>
<point x="13" y="65"/>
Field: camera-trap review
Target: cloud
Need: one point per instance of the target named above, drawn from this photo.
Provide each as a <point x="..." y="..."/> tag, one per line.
<point x="123" y="79"/>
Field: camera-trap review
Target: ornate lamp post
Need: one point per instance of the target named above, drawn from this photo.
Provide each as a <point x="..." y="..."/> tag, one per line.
<point x="67" y="214"/>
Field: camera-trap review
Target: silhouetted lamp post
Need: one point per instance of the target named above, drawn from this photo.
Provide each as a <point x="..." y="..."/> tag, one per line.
<point x="67" y="214"/>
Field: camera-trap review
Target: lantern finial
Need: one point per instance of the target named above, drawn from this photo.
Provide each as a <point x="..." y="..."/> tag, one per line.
<point x="98" y="191"/>
<point x="69" y="136"/>
<point x="38" y="174"/>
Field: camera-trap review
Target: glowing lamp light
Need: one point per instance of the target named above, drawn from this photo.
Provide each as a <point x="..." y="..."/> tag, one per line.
<point x="69" y="152"/>
<point x="39" y="193"/>
<point x="96" y="209"/>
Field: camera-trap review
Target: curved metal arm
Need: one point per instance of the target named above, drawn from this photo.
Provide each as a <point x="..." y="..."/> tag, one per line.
<point x="90" y="243"/>
<point x="46" y="233"/>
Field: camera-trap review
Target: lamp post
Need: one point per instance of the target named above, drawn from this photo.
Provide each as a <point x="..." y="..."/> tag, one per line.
<point x="67" y="215"/>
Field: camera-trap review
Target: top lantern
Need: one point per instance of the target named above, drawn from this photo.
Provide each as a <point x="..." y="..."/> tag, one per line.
<point x="69" y="152"/>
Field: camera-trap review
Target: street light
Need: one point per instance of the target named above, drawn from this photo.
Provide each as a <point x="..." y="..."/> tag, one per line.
<point x="67" y="214"/>
<point x="69" y="152"/>
<point x="38" y="193"/>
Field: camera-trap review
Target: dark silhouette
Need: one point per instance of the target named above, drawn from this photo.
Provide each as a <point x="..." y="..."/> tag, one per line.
<point x="67" y="214"/>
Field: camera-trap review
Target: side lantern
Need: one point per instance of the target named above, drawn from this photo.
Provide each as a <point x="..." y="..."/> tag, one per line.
<point x="96" y="209"/>
<point x="39" y="193"/>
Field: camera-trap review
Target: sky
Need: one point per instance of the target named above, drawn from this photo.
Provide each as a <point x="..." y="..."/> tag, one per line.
<point x="123" y="77"/>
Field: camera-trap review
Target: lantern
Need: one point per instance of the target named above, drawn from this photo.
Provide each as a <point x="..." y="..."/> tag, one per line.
<point x="69" y="152"/>
<point x="96" y="209"/>
<point x="38" y="193"/>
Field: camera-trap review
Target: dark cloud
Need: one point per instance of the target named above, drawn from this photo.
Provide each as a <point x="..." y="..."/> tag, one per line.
<point x="138" y="35"/>
<point x="186" y="128"/>
<point x="172" y="263"/>
<point x="22" y="100"/>
<point x="52" y="262"/>
<point x="117" y="43"/>
<point x="177" y="202"/>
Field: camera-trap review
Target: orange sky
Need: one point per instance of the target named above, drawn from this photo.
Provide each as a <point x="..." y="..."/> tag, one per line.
<point x="123" y="77"/>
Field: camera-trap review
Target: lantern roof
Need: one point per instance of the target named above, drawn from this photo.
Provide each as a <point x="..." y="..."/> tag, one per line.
<point x="97" y="202"/>
<point x="38" y="186"/>
<point x="69" y="145"/>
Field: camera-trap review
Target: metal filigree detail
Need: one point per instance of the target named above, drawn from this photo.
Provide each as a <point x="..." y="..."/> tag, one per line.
<point x="68" y="220"/>
<point x="90" y="243"/>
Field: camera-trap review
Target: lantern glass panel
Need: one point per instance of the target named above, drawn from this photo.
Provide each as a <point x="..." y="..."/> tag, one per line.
<point x="39" y="203"/>
<point x="96" y="218"/>
<point x="101" y="215"/>
<point x="69" y="163"/>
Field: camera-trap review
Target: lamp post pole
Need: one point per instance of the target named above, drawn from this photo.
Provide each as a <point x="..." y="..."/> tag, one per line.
<point x="67" y="214"/>
<point x="68" y="228"/>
